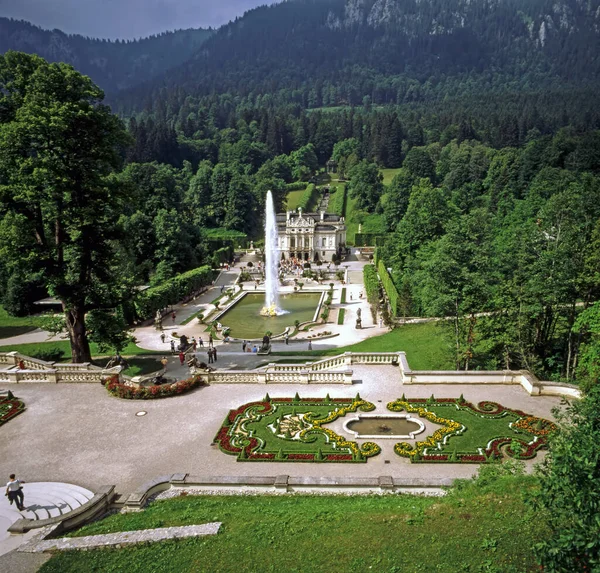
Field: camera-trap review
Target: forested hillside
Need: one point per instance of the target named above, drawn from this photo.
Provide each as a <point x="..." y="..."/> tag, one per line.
<point x="336" y="52"/>
<point x="113" y="65"/>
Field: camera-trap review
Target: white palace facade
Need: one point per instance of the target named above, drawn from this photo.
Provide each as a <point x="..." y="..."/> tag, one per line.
<point x="310" y="236"/>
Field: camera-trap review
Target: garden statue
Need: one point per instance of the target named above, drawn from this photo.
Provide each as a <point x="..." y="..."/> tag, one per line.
<point x="158" y="320"/>
<point x="358" y="319"/>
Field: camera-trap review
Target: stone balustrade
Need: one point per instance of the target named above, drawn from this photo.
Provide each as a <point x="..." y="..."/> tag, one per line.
<point x="300" y="375"/>
<point x="40" y="371"/>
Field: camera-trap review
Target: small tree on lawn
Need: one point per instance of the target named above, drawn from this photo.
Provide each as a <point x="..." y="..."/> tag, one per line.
<point x="569" y="496"/>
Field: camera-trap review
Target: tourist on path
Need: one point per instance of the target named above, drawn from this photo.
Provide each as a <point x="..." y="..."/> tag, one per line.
<point x="181" y="357"/>
<point x="164" y="361"/>
<point x="162" y="337"/>
<point x="214" y="353"/>
<point x="172" y="347"/>
<point x="210" y="340"/>
<point x="201" y="342"/>
<point x="14" y="492"/>
<point x="287" y="338"/>
<point x="309" y="345"/>
<point x="210" y="355"/>
<point x="173" y="315"/>
<point x="244" y="344"/>
<point x="194" y="343"/>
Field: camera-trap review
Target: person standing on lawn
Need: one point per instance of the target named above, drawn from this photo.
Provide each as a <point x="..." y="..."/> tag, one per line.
<point x="14" y="492"/>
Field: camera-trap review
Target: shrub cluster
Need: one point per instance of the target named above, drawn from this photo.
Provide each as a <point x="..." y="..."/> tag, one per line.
<point x="149" y="301"/>
<point x="115" y="388"/>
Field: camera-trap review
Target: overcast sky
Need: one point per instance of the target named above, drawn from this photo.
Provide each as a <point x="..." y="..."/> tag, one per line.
<point x="126" y="18"/>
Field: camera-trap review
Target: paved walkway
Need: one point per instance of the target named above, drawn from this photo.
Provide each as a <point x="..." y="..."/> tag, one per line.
<point x="120" y="539"/>
<point x="78" y="433"/>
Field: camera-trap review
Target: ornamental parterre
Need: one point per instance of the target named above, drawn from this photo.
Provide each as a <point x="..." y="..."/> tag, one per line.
<point x="9" y="408"/>
<point x="470" y="434"/>
<point x="291" y="430"/>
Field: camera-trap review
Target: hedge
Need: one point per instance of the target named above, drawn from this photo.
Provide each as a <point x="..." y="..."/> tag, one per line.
<point x="296" y="186"/>
<point x="115" y="388"/>
<point x="343" y="297"/>
<point x="147" y="302"/>
<point x="341" y="315"/>
<point x="390" y="288"/>
<point x="371" y="284"/>
<point x="337" y="203"/>
<point x="370" y="239"/>
<point x="309" y="198"/>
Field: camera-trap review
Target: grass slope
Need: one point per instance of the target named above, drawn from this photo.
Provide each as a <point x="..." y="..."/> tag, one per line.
<point x="479" y="527"/>
<point x="16" y="325"/>
<point x="425" y="346"/>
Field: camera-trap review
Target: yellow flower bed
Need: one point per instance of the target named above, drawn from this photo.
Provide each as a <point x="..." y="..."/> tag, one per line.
<point x="449" y="427"/>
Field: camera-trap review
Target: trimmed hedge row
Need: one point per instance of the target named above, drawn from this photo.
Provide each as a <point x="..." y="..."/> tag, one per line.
<point x="390" y="287"/>
<point x="337" y="203"/>
<point x="370" y="239"/>
<point x="309" y="198"/>
<point x="371" y="284"/>
<point x="341" y="315"/>
<point x="296" y="186"/>
<point x="155" y="298"/>
<point x="115" y="388"/>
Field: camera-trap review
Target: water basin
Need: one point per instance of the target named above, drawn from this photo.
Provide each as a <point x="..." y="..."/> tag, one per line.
<point x="374" y="426"/>
<point x="245" y="320"/>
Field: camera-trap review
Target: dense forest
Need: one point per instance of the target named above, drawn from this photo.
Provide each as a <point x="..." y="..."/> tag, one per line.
<point x="113" y="65"/>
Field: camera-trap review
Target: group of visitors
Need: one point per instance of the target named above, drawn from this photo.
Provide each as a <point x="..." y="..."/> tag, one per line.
<point x="246" y="347"/>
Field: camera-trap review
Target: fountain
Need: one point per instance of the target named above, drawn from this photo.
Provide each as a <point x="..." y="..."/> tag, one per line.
<point x="271" y="307"/>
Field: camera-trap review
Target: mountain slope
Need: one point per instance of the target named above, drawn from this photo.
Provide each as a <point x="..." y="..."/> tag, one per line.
<point x="328" y="52"/>
<point x="113" y="65"/>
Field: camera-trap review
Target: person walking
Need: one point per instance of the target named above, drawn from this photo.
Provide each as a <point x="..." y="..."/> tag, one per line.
<point x="181" y="357"/>
<point x="214" y="353"/>
<point x="310" y="345"/>
<point x="244" y="344"/>
<point x="162" y="337"/>
<point x="173" y="315"/>
<point x="164" y="361"/>
<point x="172" y="347"/>
<point x="194" y="343"/>
<point x="210" y="355"/>
<point x="210" y="340"/>
<point x="201" y="342"/>
<point x="287" y="338"/>
<point x="14" y="492"/>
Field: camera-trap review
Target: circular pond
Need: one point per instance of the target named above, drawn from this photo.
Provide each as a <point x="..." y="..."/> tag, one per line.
<point x="245" y="321"/>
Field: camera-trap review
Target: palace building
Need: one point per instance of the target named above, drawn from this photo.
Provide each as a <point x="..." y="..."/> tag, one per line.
<point x="310" y="236"/>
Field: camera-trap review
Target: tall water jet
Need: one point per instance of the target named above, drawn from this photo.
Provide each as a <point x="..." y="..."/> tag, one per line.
<point x="271" y="307"/>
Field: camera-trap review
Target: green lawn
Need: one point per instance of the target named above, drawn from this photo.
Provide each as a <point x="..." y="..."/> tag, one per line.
<point x="138" y="365"/>
<point x="425" y="346"/>
<point x="38" y="348"/>
<point x="293" y="198"/>
<point x="17" y="325"/>
<point x="370" y="223"/>
<point x="388" y="175"/>
<point x="478" y="527"/>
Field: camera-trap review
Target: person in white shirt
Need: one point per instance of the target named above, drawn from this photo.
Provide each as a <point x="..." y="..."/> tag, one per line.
<point x="14" y="492"/>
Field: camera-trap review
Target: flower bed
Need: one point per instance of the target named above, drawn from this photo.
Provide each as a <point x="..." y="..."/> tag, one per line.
<point x="115" y="388"/>
<point x="465" y="437"/>
<point x="291" y="430"/>
<point x="9" y="408"/>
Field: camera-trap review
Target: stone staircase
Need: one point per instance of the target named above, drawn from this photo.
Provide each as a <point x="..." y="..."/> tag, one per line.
<point x="42" y="501"/>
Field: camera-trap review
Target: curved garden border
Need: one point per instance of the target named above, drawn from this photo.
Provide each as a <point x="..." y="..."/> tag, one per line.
<point x="10" y="407"/>
<point x="126" y="392"/>
<point x="533" y="429"/>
